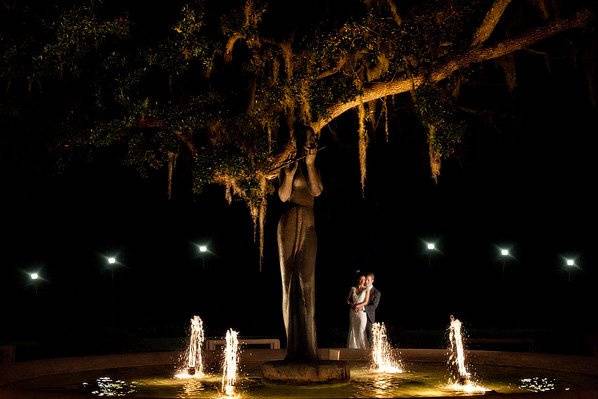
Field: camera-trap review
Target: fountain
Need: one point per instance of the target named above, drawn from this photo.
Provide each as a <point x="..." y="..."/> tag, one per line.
<point x="231" y="361"/>
<point x="193" y="356"/>
<point x="144" y="375"/>
<point x="460" y="379"/>
<point x="382" y="357"/>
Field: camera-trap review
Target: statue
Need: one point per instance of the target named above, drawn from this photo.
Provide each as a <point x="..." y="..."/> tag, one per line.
<point x="300" y="184"/>
<point x="297" y="244"/>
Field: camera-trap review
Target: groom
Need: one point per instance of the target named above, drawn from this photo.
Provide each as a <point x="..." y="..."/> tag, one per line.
<point x="370" y="308"/>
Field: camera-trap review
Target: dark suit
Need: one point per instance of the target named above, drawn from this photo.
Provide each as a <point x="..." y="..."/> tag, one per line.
<point x="370" y="310"/>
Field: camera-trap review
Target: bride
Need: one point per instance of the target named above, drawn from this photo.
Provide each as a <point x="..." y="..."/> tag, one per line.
<point x="358" y="298"/>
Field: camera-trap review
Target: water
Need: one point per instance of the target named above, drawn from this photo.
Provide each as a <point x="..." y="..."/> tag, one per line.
<point x="419" y="379"/>
<point x="193" y="361"/>
<point x="382" y="356"/>
<point x="460" y="377"/>
<point x="231" y="362"/>
<point x="390" y="379"/>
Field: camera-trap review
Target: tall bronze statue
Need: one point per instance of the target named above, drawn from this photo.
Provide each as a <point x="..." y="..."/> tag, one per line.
<point x="297" y="244"/>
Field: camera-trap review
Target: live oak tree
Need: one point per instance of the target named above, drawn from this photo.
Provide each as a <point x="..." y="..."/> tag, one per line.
<point x="226" y="85"/>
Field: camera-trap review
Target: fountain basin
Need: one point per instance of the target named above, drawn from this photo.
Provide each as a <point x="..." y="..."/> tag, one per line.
<point x="150" y="375"/>
<point x="325" y="371"/>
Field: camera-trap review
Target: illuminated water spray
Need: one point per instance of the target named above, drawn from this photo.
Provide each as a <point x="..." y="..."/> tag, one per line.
<point x="193" y="355"/>
<point x="382" y="357"/>
<point x="457" y="352"/>
<point x="460" y="377"/>
<point x="231" y="361"/>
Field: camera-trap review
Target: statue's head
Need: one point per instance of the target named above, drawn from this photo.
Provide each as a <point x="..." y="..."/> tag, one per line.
<point x="306" y="139"/>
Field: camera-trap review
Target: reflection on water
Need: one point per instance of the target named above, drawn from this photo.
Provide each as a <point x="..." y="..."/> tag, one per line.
<point x="178" y="388"/>
<point x="192" y="388"/>
<point x="539" y="384"/>
<point x="105" y="386"/>
<point x="469" y="387"/>
<point x="382" y="384"/>
<point x="389" y="385"/>
<point x="422" y="380"/>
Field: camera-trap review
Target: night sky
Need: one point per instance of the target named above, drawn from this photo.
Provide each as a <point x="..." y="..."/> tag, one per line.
<point x="524" y="180"/>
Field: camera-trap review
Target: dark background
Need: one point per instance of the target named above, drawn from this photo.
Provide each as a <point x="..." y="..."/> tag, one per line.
<point x="524" y="180"/>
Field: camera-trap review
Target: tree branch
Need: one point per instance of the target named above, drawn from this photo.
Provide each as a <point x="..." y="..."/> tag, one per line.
<point x="490" y="21"/>
<point x="186" y="139"/>
<point x="339" y="65"/>
<point x="383" y="89"/>
<point x="230" y="45"/>
<point x="172" y="157"/>
<point x="394" y="12"/>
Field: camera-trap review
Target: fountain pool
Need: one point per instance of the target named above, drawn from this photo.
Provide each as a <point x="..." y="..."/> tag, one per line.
<point x="425" y="375"/>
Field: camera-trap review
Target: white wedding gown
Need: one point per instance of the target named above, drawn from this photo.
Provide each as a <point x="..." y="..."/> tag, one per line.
<point x="357" y="323"/>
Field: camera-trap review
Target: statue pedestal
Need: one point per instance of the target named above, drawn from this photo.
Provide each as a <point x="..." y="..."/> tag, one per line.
<point x="323" y="371"/>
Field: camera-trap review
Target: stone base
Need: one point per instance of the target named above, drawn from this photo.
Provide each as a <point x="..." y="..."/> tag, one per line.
<point x="323" y="371"/>
<point x="7" y="355"/>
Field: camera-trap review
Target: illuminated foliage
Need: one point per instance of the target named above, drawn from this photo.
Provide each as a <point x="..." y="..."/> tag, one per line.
<point x="229" y="83"/>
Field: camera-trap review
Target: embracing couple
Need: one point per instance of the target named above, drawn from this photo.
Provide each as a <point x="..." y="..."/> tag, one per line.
<point x="363" y="300"/>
